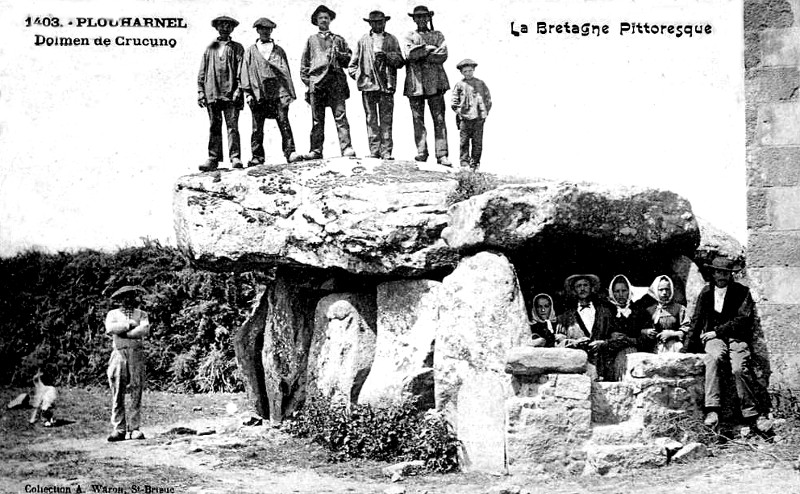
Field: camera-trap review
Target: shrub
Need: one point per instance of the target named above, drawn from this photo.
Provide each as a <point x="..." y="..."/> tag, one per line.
<point x="470" y="184"/>
<point x="394" y="433"/>
<point x="53" y="308"/>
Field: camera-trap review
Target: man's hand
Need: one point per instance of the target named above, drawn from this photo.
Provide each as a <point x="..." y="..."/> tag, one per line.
<point x="249" y="100"/>
<point x="237" y="93"/>
<point x="618" y="336"/>
<point x="598" y="344"/>
<point x="665" y="335"/>
<point x="201" y="100"/>
<point x="649" y="333"/>
<point x="708" y="336"/>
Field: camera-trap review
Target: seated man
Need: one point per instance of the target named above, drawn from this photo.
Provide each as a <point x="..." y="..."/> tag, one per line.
<point x="588" y="326"/>
<point x="722" y="327"/>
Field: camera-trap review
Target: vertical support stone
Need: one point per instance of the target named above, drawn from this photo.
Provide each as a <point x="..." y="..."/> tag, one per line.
<point x="248" y="342"/>
<point x="343" y="346"/>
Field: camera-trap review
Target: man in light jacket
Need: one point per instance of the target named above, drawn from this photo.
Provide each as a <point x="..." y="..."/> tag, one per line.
<point x="374" y="67"/>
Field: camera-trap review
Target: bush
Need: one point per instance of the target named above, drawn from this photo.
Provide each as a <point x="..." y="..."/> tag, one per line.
<point x="53" y="308"/>
<point x="395" y="433"/>
<point x="470" y="184"/>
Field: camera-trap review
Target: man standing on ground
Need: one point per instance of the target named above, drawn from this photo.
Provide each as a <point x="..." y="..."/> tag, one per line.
<point x="722" y="326"/>
<point x="425" y="51"/>
<point x="268" y="90"/>
<point x="324" y="57"/>
<point x="126" y="325"/>
<point x="374" y="67"/>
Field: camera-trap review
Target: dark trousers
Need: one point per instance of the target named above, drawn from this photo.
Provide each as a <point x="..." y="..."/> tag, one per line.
<point x="718" y="353"/>
<point x="270" y="109"/>
<point x="379" y="109"/>
<point x="319" y="99"/>
<point x="436" y="105"/>
<point x="471" y="132"/>
<point x="216" y="111"/>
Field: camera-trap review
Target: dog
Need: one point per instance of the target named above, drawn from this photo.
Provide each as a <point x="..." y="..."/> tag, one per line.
<point x="44" y="399"/>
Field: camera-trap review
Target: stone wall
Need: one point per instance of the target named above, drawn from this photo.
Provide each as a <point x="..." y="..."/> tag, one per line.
<point x="772" y="95"/>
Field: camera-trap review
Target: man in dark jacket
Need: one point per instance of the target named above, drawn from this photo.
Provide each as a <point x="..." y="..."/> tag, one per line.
<point x="722" y="327"/>
<point x="268" y="90"/>
<point x="219" y="93"/>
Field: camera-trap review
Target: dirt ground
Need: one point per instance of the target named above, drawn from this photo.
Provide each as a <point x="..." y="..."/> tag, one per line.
<point x="74" y="456"/>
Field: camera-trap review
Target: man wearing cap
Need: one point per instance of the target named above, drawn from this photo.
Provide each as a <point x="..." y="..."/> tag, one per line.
<point x="587" y="325"/>
<point x="268" y="90"/>
<point x="374" y="67"/>
<point x="127" y="325"/>
<point x="471" y="102"/>
<point x="321" y="69"/>
<point x="219" y="93"/>
<point x="722" y="327"/>
<point x="425" y="51"/>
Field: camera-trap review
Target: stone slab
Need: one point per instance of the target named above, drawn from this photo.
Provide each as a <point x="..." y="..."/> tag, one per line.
<point x="534" y="361"/>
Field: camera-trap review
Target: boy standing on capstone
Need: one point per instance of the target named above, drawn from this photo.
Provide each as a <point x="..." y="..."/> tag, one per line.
<point x="219" y="93"/>
<point x="471" y="102"/>
<point x="268" y="90"/>
<point x="321" y="70"/>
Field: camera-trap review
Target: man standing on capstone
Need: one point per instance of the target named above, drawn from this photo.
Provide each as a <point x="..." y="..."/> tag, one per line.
<point x="374" y="67"/>
<point x="324" y="57"/>
<point x="425" y="51"/>
<point x="268" y="90"/>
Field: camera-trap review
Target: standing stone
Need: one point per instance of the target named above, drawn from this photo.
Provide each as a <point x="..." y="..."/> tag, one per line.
<point x="287" y="337"/>
<point x="343" y="346"/>
<point x="407" y="319"/>
<point x="481" y="317"/>
<point x="272" y="347"/>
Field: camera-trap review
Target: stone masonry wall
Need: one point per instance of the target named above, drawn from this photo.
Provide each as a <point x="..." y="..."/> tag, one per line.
<point x="772" y="112"/>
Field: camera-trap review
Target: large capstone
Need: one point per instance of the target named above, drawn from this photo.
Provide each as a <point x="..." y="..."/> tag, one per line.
<point x="346" y="214"/>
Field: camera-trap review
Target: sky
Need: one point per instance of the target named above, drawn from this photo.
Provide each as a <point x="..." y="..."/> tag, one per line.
<point x="93" y="138"/>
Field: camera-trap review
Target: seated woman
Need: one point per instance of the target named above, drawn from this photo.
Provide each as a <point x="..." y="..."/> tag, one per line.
<point x="543" y="317"/>
<point x="629" y="320"/>
<point x="671" y="322"/>
<point x="586" y="325"/>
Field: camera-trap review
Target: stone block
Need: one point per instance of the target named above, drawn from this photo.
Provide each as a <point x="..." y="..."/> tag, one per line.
<point x="574" y="387"/>
<point x="774" y="249"/>
<point x="752" y="49"/>
<point x="780" y="47"/>
<point x="690" y="452"/>
<point x="772" y="85"/>
<point x="757" y="209"/>
<point x="535" y="361"/>
<point x="665" y="365"/>
<point x="481" y="423"/>
<point x="612" y="402"/>
<point x="776" y="285"/>
<point x="774" y="167"/>
<point x="407" y="320"/>
<point x="783" y="205"/>
<point x="601" y="459"/>
<point x="628" y="432"/>
<point x="778" y="124"/>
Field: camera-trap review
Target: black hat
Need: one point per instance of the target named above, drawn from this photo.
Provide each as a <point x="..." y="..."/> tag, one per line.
<point x="377" y="15"/>
<point x="264" y="22"/>
<point x="466" y="62"/>
<point x="724" y="264"/>
<point x="320" y="9"/>
<point x="127" y="291"/>
<point x="421" y="10"/>
<point x="224" y="18"/>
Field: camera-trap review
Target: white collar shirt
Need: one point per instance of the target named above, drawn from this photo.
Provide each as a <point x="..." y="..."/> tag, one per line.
<point x="265" y="48"/>
<point x="719" y="298"/>
<point x="587" y="315"/>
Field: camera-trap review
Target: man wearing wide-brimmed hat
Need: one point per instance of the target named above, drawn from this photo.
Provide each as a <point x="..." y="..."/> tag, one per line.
<point x="587" y="325"/>
<point x="722" y="327"/>
<point x="321" y="70"/>
<point x="127" y="325"/>
<point x="374" y="67"/>
<point x="219" y="93"/>
<point x="425" y="51"/>
<point x="268" y="90"/>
